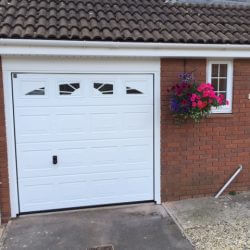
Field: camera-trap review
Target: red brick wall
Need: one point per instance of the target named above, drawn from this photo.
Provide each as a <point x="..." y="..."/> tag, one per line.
<point x="4" y="179"/>
<point x="197" y="159"/>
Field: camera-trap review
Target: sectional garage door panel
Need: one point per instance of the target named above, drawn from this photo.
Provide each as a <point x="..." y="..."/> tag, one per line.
<point x="80" y="123"/>
<point x="99" y="127"/>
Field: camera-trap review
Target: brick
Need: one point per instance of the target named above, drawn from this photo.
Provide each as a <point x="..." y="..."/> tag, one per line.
<point x="204" y="155"/>
<point x="4" y="187"/>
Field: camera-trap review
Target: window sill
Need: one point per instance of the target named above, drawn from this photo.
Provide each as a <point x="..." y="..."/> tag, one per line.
<point x="221" y="115"/>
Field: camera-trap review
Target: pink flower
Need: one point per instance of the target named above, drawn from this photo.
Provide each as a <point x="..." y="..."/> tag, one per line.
<point x="210" y="86"/>
<point x="219" y="100"/>
<point x="205" y="86"/>
<point x="221" y="96"/>
<point x="200" y="88"/>
<point x="212" y="94"/>
<point x="200" y="104"/>
<point x="227" y="102"/>
<point x="194" y="104"/>
<point x="194" y="97"/>
<point x="206" y="93"/>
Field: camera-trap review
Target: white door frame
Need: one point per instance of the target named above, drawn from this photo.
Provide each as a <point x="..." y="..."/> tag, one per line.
<point x="76" y="65"/>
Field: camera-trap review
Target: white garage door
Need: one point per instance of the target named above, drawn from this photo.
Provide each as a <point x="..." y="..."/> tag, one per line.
<point x="83" y="139"/>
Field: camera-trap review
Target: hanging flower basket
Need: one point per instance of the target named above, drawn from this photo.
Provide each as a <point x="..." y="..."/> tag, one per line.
<point x="189" y="100"/>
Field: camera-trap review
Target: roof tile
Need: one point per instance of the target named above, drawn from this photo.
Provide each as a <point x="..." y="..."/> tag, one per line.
<point x="125" y="20"/>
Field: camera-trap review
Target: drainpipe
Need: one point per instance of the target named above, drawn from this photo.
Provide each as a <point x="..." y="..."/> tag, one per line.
<point x="229" y="181"/>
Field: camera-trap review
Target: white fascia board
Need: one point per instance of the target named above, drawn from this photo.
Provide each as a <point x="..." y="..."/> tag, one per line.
<point x="120" y="49"/>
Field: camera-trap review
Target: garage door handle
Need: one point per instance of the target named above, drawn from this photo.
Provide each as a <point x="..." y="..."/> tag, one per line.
<point x="54" y="159"/>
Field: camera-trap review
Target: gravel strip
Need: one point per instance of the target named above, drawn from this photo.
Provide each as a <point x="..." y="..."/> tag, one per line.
<point x="220" y="236"/>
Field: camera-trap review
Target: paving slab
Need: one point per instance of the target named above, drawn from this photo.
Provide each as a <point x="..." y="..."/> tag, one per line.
<point x="216" y="224"/>
<point x="136" y="227"/>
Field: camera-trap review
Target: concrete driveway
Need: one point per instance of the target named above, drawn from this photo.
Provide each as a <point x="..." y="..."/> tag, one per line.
<point x="135" y="227"/>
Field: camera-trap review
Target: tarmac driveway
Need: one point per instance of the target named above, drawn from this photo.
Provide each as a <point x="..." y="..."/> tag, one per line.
<point x="134" y="227"/>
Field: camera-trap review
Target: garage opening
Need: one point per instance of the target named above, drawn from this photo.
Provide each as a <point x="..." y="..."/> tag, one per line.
<point x="83" y="139"/>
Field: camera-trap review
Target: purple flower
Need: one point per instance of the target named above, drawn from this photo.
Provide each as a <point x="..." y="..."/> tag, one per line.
<point x="186" y="77"/>
<point x="175" y="106"/>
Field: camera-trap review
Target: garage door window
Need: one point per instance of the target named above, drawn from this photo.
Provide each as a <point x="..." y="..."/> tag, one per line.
<point x="133" y="91"/>
<point x="104" y="88"/>
<point x="68" y="88"/>
<point x="39" y="91"/>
